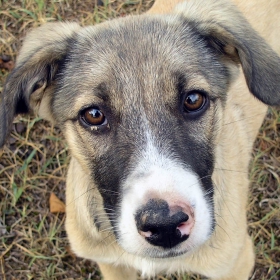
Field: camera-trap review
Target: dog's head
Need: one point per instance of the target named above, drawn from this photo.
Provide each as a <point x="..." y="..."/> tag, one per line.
<point x="140" y="100"/>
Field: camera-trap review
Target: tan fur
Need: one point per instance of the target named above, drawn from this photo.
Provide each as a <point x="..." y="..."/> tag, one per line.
<point x="235" y="257"/>
<point x="229" y="253"/>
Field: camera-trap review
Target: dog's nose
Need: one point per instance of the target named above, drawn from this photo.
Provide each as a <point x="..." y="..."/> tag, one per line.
<point x="162" y="226"/>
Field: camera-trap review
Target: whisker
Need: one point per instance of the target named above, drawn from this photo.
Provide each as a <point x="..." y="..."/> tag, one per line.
<point x="200" y="179"/>
<point x="224" y="169"/>
<point x="244" y="119"/>
<point x="106" y="229"/>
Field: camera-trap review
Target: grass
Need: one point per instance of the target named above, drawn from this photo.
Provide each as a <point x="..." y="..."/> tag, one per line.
<point x="33" y="164"/>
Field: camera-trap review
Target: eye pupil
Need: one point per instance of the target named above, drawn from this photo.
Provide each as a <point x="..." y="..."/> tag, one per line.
<point x="93" y="116"/>
<point x="194" y="101"/>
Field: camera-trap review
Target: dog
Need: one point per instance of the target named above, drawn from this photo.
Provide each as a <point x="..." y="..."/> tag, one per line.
<point x="159" y="111"/>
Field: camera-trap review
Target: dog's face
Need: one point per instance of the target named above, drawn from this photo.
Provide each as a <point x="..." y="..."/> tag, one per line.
<point x="142" y="115"/>
<point x="141" y="102"/>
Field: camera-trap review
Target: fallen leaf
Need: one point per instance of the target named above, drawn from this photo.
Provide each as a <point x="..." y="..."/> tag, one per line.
<point x="56" y="205"/>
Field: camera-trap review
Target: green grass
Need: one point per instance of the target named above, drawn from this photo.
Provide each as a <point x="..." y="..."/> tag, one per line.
<point x="33" y="164"/>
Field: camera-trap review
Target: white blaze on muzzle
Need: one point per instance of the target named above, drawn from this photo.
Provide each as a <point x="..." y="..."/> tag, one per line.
<point x="164" y="210"/>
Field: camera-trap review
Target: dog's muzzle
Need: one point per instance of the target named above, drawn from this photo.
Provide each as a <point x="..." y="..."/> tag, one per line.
<point x="164" y="225"/>
<point x="164" y="211"/>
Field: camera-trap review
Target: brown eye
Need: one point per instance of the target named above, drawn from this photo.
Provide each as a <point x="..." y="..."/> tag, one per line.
<point x="194" y="101"/>
<point x="93" y="116"/>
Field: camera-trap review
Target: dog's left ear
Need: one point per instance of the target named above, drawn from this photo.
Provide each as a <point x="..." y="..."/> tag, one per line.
<point x="31" y="83"/>
<point x="227" y="31"/>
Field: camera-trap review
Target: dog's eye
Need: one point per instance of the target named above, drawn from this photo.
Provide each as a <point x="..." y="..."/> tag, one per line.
<point x="92" y="116"/>
<point x="194" y="101"/>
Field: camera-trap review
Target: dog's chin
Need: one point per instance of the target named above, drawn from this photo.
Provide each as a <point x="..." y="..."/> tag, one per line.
<point x="182" y="250"/>
<point x="167" y="253"/>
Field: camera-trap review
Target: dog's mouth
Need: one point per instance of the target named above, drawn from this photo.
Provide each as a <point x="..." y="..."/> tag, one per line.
<point x="169" y="253"/>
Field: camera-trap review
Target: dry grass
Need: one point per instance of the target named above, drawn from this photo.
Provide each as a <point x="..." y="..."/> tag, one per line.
<point x="33" y="164"/>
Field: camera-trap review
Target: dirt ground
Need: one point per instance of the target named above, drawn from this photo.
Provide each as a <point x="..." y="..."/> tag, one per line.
<point x="34" y="162"/>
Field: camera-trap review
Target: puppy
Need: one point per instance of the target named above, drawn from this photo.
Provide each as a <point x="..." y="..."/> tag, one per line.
<point x="159" y="110"/>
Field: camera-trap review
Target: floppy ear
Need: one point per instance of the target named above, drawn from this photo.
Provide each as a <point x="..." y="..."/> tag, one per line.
<point x="30" y="85"/>
<point x="229" y="33"/>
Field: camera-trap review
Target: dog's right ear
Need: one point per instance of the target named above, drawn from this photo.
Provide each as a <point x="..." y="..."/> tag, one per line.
<point x="30" y="84"/>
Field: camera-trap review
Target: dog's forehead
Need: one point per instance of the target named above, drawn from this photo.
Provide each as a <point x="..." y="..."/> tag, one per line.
<point x="136" y="47"/>
<point x="133" y="34"/>
<point x="144" y="43"/>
